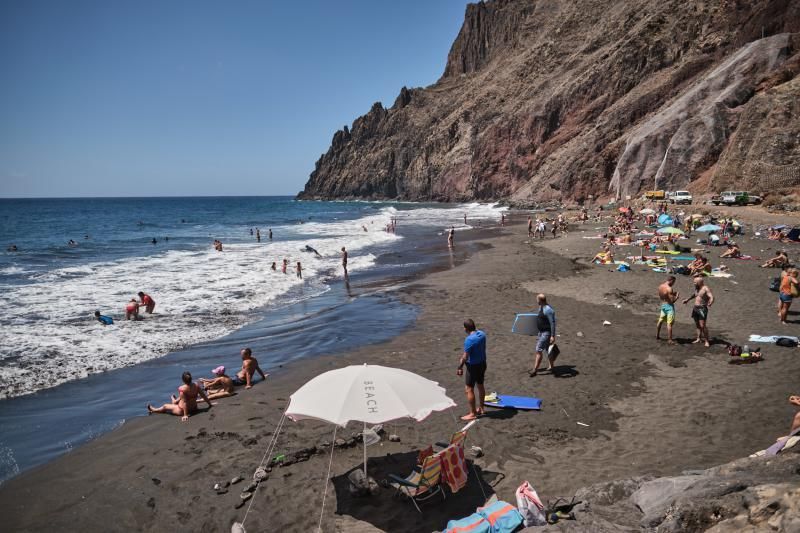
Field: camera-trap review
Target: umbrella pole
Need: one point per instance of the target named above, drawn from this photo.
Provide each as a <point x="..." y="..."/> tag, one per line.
<point x="364" y="442"/>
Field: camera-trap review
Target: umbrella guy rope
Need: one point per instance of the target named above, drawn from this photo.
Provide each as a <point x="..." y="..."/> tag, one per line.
<point x="328" y="477"/>
<point x="271" y="446"/>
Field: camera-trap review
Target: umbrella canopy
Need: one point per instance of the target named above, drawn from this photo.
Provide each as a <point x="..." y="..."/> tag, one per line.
<point x="623" y="209"/>
<point x="665" y="220"/>
<point x="696" y="216"/>
<point x="709" y="227"/>
<point x="669" y="230"/>
<point x="647" y="211"/>
<point x="367" y="393"/>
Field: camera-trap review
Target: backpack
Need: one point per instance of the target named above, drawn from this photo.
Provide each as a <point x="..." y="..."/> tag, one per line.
<point x="786" y="342"/>
<point x="734" y="350"/>
<point x="775" y="284"/>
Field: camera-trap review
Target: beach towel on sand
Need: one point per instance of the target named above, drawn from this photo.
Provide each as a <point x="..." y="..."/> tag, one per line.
<point x="502" y="516"/>
<point x="474" y="523"/>
<point x="771" y="339"/>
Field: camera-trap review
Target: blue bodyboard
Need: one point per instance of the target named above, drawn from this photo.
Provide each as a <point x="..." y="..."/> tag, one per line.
<point x="516" y="402"/>
<point x="525" y="324"/>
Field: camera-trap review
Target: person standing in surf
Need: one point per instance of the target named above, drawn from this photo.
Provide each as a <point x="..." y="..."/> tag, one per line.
<point x="474" y="359"/>
<point x="344" y="261"/>
<point x="546" y="324"/>
<point x="451" y="235"/>
<point x="148" y="302"/>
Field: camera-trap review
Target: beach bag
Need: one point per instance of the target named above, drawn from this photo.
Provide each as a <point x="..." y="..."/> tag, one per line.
<point x="474" y="523"/>
<point x="552" y="352"/>
<point x="795" y="291"/>
<point x="734" y="350"/>
<point x="502" y="517"/>
<point x="775" y="284"/>
<point x="786" y="342"/>
<point x="530" y="507"/>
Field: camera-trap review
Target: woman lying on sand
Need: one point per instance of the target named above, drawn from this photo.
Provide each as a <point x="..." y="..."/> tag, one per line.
<point x="795" y="400"/>
<point x="186" y="402"/>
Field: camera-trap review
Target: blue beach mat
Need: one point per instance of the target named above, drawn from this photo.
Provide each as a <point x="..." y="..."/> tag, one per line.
<point x="515" y="402"/>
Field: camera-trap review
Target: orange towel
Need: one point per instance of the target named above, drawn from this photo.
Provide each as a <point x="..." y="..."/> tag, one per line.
<point x="454" y="467"/>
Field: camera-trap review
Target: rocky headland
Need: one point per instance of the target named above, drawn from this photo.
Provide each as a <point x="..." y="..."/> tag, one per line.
<point x="558" y="100"/>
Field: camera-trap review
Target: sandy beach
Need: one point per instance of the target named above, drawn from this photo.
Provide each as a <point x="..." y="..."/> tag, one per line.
<point x="645" y="408"/>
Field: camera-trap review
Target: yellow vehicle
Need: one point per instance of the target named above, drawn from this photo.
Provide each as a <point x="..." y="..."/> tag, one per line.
<point x="655" y="195"/>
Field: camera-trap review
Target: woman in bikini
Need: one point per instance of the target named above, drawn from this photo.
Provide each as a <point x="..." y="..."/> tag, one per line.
<point x="186" y="402"/>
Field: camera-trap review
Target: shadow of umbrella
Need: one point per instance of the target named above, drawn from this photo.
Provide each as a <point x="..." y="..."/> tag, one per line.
<point x="389" y="512"/>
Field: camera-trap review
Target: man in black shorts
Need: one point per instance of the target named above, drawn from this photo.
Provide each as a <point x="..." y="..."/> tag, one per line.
<point x="474" y="358"/>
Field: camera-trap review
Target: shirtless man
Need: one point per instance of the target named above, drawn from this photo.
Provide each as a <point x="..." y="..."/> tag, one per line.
<point x="795" y="400"/>
<point x="703" y="299"/>
<point x="344" y="261"/>
<point x="249" y="368"/>
<point x="186" y="402"/>
<point x="451" y="235"/>
<point x="219" y="387"/>
<point x="732" y="251"/>
<point x="668" y="296"/>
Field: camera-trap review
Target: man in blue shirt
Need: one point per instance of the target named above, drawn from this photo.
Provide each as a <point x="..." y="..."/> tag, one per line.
<point x="546" y="324"/>
<point x="474" y="358"/>
<point x="103" y="319"/>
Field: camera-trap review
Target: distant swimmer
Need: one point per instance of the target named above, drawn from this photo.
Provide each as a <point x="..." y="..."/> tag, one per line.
<point x="217" y="245"/>
<point x="154" y="241"/>
<point x="12" y="248"/>
<point x="132" y="310"/>
<point x="363" y="227"/>
<point x="299" y="270"/>
<point x="270" y="234"/>
<point x="251" y="231"/>
<point x="185" y="403"/>
<point x="310" y="249"/>
<point x="258" y="235"/>
<point x="284" y="265"/>
<point x="451" y="235"/>
<point x="103" y="319"/>
<point x="166" y="238"/>
<point x="274" y="266"/>
<point x="148" y="302"/>
<point x="249" y="369"/>
<point x="465" y="219"/>
<point x="344" y="261"/>
<point x="72" y="243"/>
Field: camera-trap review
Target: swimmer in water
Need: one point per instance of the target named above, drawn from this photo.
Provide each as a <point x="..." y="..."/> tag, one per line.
<point x="274" y="266"/>
<point x="148" y="302"/>
<point x="105" y="320"/>
<point x="299" y="270"/>
<point x="132" y="310"/>
<point x="310" y="249"/>
<point x="154" y="241"/>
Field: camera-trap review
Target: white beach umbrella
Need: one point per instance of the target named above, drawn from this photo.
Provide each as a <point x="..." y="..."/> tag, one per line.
<point x="370" y="394"/>
<point x="647" y="211"/>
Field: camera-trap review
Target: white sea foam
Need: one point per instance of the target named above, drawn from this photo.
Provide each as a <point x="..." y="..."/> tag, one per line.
<point x="48" y="334"/>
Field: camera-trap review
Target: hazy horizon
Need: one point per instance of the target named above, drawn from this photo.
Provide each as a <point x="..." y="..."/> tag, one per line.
<point x="108" y="100"/>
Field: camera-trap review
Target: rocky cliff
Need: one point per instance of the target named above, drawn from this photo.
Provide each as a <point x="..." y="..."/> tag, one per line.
<point x="558" y="100"/>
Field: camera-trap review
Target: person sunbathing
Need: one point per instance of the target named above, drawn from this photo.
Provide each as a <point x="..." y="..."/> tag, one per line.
<point x="779" y="261"/>
<point x="185" y="403"/>
<point x="774" y="235"/>
<point x="220" y="386"/>
<point x="732" y="251"/>
<point x="699" y="266"/>
<point x="795" y="400"/>
<point x="605" y="256"/>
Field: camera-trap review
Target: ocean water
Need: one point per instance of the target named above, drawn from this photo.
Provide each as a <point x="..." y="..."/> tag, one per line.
<point x="59" y="368"/>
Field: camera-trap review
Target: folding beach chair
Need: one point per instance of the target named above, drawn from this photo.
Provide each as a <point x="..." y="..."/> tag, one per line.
<point x="458" y="437"/>
<point x="422" y="484"/>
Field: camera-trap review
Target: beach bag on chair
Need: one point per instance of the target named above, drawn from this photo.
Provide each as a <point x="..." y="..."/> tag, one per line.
<point x="530" y="506"/>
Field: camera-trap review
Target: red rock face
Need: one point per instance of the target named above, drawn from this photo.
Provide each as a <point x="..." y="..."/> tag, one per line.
<point x="557" y="100"/>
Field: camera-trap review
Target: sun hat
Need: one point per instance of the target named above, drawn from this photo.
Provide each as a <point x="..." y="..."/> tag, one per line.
<point x="218" y="371"/>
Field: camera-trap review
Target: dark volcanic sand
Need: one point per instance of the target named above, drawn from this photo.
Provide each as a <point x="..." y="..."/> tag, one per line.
<point x="651" y="408"/>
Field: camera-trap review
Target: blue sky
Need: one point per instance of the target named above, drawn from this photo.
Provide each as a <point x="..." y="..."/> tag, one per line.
<point x="165" y="98"/>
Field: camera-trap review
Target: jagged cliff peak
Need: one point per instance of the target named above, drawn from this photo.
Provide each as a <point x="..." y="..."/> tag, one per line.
<point x="557" y="100"/>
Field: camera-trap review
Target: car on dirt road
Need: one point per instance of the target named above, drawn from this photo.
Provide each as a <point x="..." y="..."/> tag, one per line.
<point x="680" y="197"/>
<point x="736" y="198"/>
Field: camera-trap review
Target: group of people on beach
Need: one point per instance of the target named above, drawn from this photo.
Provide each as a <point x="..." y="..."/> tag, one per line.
<point x="220" y="386"/>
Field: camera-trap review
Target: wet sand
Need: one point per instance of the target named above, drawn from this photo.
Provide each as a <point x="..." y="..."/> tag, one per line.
<point x="650" y="408"/>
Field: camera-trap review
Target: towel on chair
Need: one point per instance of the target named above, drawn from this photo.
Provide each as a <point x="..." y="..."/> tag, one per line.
<point x="454" y="467"/>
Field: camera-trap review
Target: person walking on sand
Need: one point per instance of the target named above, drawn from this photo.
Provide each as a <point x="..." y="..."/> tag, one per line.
<point x="344" y="261"/>
<point x="186" y="402"/>
<point x="451" y="236"/>
<point x="299" y="270"/>
<point x="546" y="324"/>
<point x="668" y="296"/>
<point x="703" y="299"/>
<point x="788" y="288"/>
<point x="148" y="302"/>
<point x="474" y="359"/>
<point x="249" y="368"/>
<point x="530" y="226"/>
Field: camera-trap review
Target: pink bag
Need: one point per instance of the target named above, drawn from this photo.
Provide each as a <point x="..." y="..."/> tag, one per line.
<point x="530" y="506"/>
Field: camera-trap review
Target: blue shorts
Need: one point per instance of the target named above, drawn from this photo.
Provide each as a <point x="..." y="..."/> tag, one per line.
<point x="543" y="342"/>
<point x="785" y="298"/>
<point x="238" y="382"/>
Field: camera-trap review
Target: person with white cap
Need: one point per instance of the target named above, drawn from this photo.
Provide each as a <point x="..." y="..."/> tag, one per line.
<point x="219" y="387"/>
